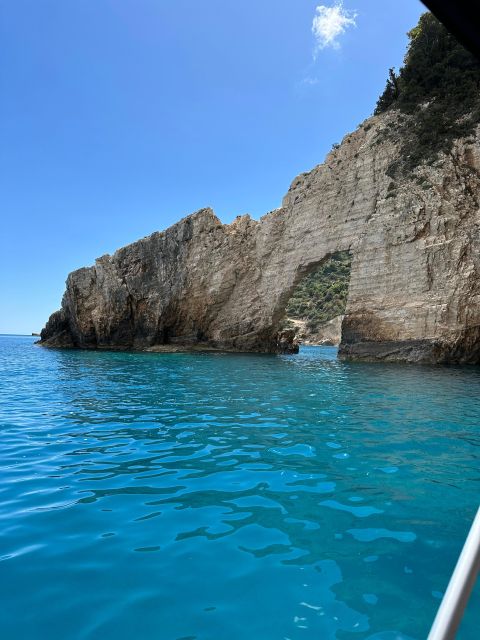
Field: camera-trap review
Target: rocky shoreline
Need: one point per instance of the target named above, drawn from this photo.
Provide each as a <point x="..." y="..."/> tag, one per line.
<point x="326" y="334"/>
<point x="414" y="292"/>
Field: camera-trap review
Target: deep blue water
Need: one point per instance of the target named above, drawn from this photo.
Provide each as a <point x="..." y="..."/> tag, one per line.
<point x="215" y="496"/>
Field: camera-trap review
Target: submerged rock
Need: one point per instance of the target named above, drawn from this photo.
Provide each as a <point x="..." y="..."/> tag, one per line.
<point x="414" y="293"/>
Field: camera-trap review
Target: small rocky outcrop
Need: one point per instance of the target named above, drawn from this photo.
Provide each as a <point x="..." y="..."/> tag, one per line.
<point x="328" y="333"/>
<point x="414" y="292"/>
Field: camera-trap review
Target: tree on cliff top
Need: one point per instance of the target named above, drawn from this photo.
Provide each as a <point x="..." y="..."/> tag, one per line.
<point x="436" y="67"/>
<point x="438" y="86"/>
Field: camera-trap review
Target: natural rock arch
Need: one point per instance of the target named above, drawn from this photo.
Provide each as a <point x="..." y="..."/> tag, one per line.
<point x="414" y="290"/>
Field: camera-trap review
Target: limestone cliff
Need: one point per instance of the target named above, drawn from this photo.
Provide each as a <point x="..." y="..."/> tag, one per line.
<point x="414" y="293"/>
<point x="327" y="333"/>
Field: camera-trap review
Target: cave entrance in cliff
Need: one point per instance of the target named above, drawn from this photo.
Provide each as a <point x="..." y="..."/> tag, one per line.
<point x="317" y="304"/>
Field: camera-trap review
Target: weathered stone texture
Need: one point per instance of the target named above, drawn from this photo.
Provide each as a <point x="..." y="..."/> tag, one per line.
<point x="328" y="333"/>
<point x="414" y="293"/>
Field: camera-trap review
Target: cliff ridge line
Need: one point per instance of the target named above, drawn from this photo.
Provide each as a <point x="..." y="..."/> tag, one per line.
<point x="413" y="293"/>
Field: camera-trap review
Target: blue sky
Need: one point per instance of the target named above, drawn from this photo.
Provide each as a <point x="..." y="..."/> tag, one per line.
<point x="118" y="117"/>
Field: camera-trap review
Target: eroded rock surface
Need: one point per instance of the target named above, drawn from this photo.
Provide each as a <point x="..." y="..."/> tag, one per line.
<point x="414" y="293"/>
<point x="327" y="333"/>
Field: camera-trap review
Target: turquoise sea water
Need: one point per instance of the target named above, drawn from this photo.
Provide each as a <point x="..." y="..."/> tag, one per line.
<point x="215" y="496"/>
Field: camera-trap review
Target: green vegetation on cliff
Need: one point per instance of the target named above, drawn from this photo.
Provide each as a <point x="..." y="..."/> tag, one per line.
<point x="322" y="295"/>
<point x="438" y="87"/>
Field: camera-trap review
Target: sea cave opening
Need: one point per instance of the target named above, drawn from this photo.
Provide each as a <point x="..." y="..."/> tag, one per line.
<point x="317" y="305"/>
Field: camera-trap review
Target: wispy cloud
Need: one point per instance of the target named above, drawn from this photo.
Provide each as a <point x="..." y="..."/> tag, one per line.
<point x="308" y="80"/>
<point x="329" y="23"/>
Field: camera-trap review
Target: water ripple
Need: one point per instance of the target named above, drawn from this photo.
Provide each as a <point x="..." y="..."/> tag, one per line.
<point x="217" y="495"/>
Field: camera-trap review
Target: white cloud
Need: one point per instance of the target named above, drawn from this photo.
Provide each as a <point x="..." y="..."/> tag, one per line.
<point x="309" y="80"/>
<point x="329" y="23"/>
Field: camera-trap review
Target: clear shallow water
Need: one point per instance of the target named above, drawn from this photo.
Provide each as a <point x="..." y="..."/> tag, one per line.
<point x="167" y="496"/>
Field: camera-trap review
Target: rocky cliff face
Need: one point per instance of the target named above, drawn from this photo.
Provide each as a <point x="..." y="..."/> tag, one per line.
<point x="414" y="293"/>
<point x="327" y="333"/>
